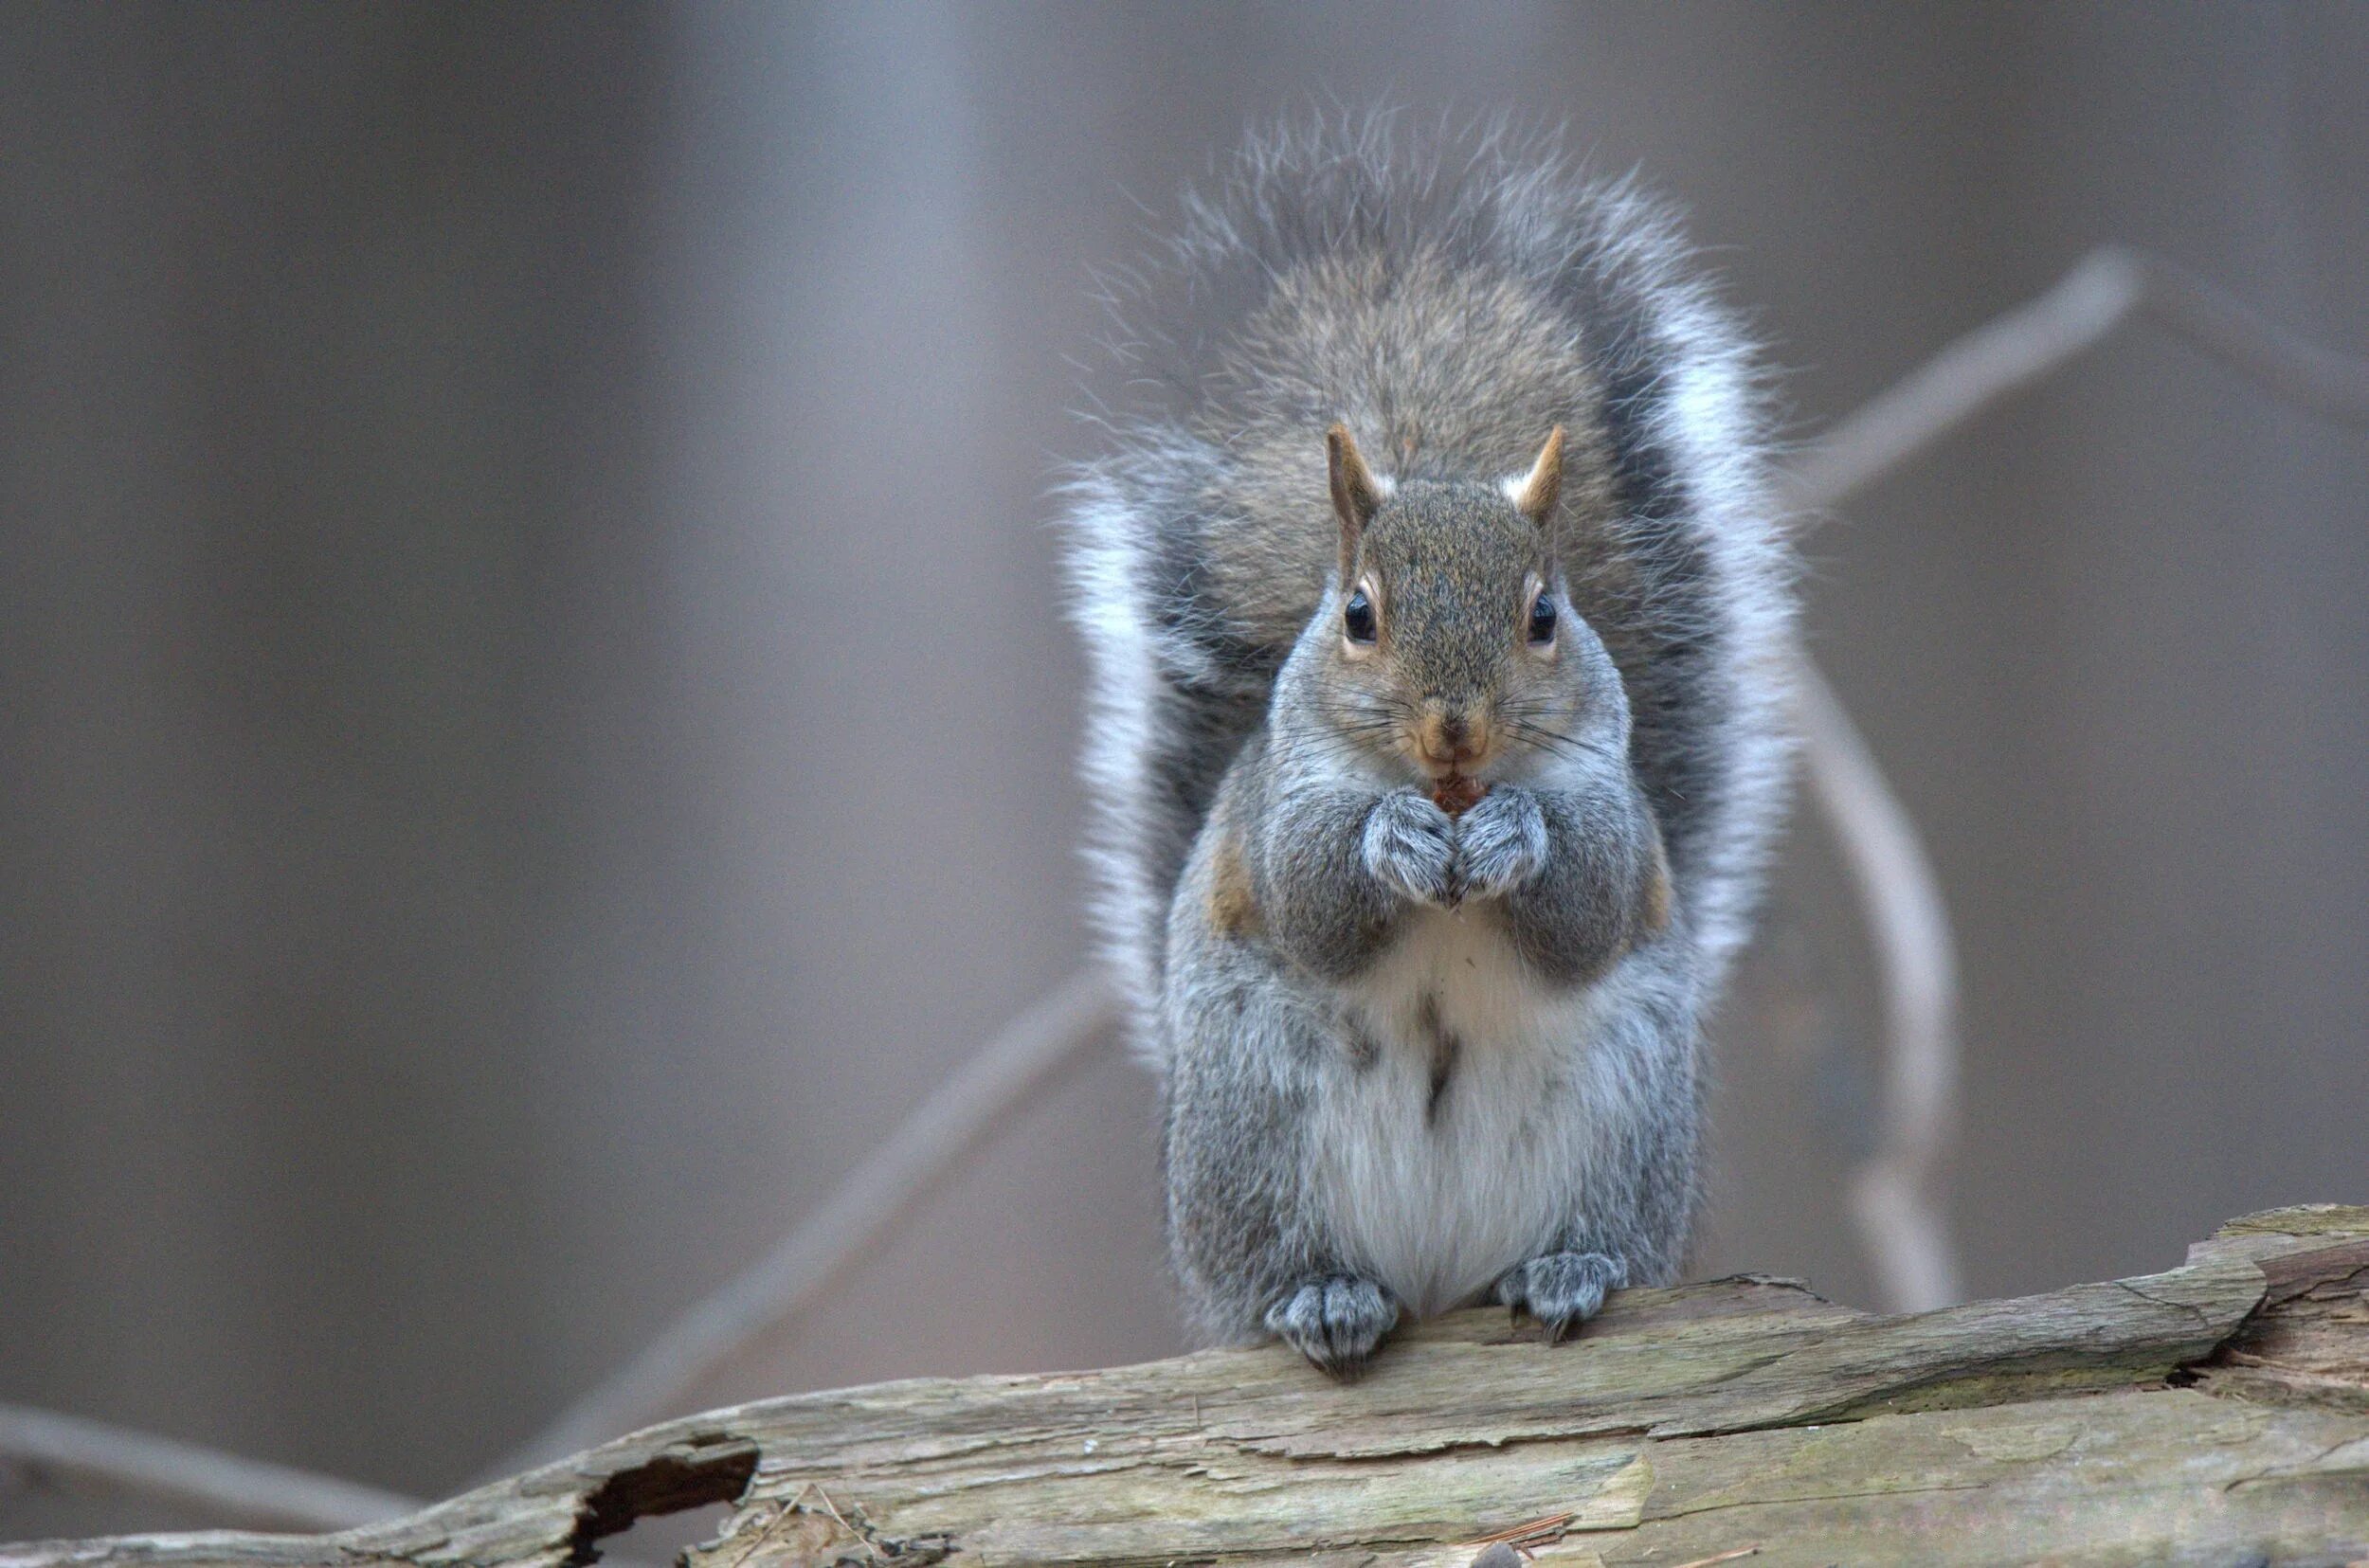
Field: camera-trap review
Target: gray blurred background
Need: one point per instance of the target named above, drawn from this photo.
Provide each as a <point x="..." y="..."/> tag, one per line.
<point x="536" y="719"/>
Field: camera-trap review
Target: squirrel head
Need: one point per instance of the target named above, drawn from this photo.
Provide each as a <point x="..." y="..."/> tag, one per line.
<point x="1448" y="637"/>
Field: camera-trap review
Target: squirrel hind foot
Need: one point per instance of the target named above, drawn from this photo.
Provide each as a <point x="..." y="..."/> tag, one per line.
<point x="1561" y="1290"/>
<point x="1336" y="1322"/>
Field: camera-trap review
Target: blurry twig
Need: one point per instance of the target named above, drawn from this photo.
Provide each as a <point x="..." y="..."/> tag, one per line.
<point x="1895" y="1195"/>
<point x="233" y="1491"/>
<point x="2033" y="341"/>
<point x="978" y="1100"/>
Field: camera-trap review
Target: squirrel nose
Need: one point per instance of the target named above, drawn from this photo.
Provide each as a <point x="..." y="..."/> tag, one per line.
<point x="1449" y="740"/>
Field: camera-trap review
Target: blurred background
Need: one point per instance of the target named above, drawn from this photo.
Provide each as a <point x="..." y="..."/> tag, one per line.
<point x="535" y="717"/>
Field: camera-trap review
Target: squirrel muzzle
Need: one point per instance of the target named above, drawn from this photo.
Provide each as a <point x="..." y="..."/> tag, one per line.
<point x="1451" y="740"/>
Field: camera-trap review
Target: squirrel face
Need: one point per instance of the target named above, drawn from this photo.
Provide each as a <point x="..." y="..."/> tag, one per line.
<point x="1449" y="628"/>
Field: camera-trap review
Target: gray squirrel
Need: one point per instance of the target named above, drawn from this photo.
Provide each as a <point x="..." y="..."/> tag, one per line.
<point x="1435" y="600"/>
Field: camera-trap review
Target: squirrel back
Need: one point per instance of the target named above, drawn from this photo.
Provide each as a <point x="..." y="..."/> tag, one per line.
<point x="1448" y="301"/>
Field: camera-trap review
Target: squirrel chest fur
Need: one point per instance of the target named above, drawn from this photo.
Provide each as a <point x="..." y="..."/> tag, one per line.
<point x="1435" y="613"/>
<point x="1438" y="1171"/>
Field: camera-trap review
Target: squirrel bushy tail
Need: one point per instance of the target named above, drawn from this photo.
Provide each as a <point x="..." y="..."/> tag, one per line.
<point x="1449" y="299"/>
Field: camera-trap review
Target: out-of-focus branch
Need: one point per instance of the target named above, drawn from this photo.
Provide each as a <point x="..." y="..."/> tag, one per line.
<point x="224" y="1486"/>
<point x="1895" y="1193"/>
<point x="2035" y="340"/>
<point x="978" y="1100"/>
<point x="2320" y="381"/>
<point x="1975" y="372"/>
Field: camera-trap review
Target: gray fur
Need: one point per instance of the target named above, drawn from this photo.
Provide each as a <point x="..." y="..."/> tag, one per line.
<point x="1370" y="1016"/>
<point x="1409" y="845"/>
<point x="1336" y="1323"/>
<point x="1502" y="845"/>
<point x="1562" y="1289"/>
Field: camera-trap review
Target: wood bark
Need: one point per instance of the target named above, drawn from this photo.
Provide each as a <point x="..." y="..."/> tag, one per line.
<point x="2217" y="1413"/>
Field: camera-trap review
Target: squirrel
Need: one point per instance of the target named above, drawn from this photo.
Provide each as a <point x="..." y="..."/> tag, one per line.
<point x="1435" y="600"/>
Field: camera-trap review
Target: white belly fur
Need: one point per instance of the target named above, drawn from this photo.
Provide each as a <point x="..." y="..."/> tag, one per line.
<point x="1435" y="1209"/>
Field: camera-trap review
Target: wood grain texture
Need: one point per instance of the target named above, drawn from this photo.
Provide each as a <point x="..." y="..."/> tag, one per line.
<point x="2214" y="1414"/>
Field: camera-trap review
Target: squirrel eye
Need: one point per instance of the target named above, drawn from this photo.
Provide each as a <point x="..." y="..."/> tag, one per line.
<point x="1358" y="618"/>
<point x="1541" y="619"/>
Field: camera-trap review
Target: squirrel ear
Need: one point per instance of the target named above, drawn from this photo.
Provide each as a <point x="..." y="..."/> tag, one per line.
<point x="1356" y="494"/>
<point x="1534" y="497"/>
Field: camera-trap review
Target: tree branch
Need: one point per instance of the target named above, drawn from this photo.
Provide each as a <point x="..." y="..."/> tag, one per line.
<point x="1896" y="1200"/>
<point x="222" y="1485"/>
<point x="1682" y="1425"/>
<point x="2032" y="342"/>
<point x="973" y="1105"/>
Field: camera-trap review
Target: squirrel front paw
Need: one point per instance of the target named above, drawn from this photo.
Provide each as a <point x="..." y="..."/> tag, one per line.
<point x="1410" y="847"/>
<point x="1501" y="843"/>
<point x="1561" y="1290"/>
<point x="1335" y="1322"/>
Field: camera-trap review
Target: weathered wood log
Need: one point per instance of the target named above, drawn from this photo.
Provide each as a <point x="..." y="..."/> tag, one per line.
<point x="2214" y="1414"/>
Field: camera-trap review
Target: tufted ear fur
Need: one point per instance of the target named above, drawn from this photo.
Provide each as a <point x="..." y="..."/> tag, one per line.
<point x="1534" y="497"/>
<point x="1356" y="494"/>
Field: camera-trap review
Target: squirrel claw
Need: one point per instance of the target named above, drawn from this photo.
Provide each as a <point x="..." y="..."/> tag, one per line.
<point x="1561" y="1290"/>
<point x="1335" y="1322"/>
